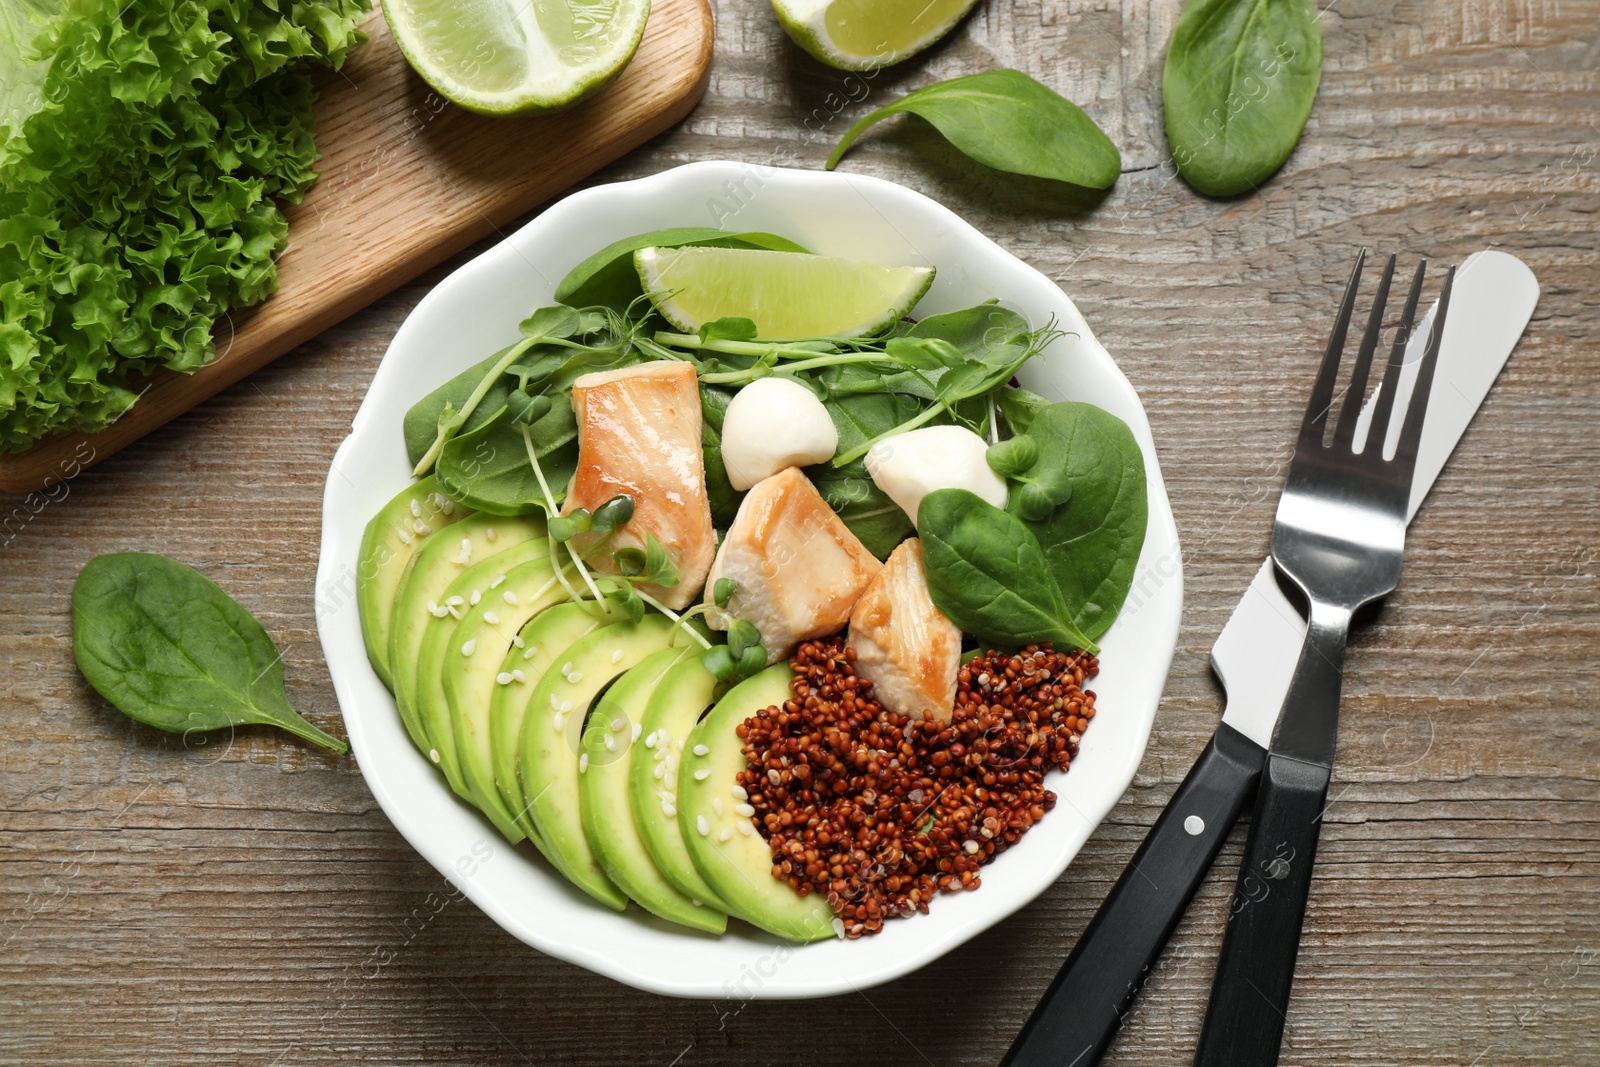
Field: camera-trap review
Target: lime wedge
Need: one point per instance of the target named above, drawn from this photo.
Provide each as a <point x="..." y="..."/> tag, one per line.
<point x="868" y="34"/>
<point x="786" y="294"/>
<point x="517" y="57"/>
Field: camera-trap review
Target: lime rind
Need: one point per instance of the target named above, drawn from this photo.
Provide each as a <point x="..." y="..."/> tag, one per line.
<point x="868" y="34"/>
<point x="788" y="295"/>
<point x="499" y="58"/>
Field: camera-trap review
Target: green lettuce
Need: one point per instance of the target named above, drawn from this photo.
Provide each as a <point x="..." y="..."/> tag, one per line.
<point x="144" y="148"/>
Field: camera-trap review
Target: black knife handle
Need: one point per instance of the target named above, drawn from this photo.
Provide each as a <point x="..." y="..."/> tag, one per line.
<point x="1089" y="998"/>
<point x="1250" y="996"/>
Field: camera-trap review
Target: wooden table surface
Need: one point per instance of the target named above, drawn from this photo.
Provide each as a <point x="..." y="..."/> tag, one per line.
<point x="246" y="901"/>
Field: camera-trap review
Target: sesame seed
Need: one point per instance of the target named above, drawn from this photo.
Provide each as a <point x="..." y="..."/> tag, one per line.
<point x="474" y="598"/>
<point x="504" y="678"/>
<point x="438" y="611"/>
<point x="575" y="677"/>
<point x="716" y="806"/>
<point x="528" y="652"/>
<point x="555" y="701"/>
<point x="616" y="657"/>
<point x="702" y="774"/>
<point x="491" y="618"/>
<point x="566" y="706"/>
<point x="725" y="834"/>
<point x="650" y="742"/>
<point x="416" y="509"/>
<point x="405" y="536"/>
<point x="558" y="722"/>
<point x="469" y="646"/>
<point x="660" y="755"/>
<point x="702" y="750"/>
<point x="669" y="809"/>
<point x="455" y="613"/>
<point x="745" y="828"/>
<point x="421" y="527"/>
<point x="518" y="642"/>
<point x="838" y="927"/>
<point x="490" y="535"/>
<point x="703" y="826"/>
<point x="567" y="666"/>
<point x="466" y="547"/>
<point x="738" y="792"/>
<point x="433" y="754"/>
<point x="971" y="848"/>
<point x="455" y="601"/>
<point x="583" y="762"/>
<point x="509" y="597"/>
<point x="661" y="770"/>
<point x="611" y="742"/>
<point x="519" y="676"/>
<point x="496" y="583"/>
<point x="633" y="735"/>
<point x="744" y="809"/>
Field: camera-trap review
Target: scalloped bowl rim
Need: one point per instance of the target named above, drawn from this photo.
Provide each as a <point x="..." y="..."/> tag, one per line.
<point x="475" y="311"/>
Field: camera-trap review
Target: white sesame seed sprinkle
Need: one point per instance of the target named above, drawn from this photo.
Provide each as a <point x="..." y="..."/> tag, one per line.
<point x="616" y="657"/>
<point x="528" y="653"/>
<point x="669" y="809"/>
<point x="702" y="774"/>
<point x="503" y="678"/>
<point x="555" y="701"/>
<point x="496" y="583"/>
<point x="455" y="613"/>
<point x="509" y="597"/>
<point x="416" y="509"/>
<point x="519" y="676"/>
<point x="745" y="828"/>
<point x="611" y="742"/>
<point x="583" y="762"/>
<point x="469" y="646"/>
<point x="738" y="792"/>
<point x="558" y="722"/>
<point x="518" y="642"/>
<point x="490" y="535"/>
<point x="575" y="677"/>
<point x="438" y="611"/>
<point x="702" y="750"/>
<point x="567" y="666"/>
<point x="405" y="536"/>
<point x="491" y="618"/>
<point x="660" y="755"/>
<point x="566" y="706"/>
<point x="703" y="826"/>
<point x="474" y="598"/>
<point x="421" y="527"/>
<point x="638" y="728"/>
<point x="433" y="754"/>
<point x="660" y="771"/>
<point x="455" y="601"/>
<point x="725" y="834"/>
<point x="744" y="809"/>
<point x="717" y="806"/>
<point x="618" y="724"/>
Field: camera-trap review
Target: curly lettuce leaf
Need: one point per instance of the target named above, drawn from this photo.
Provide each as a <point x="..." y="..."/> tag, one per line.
<point x="144" y="148"/>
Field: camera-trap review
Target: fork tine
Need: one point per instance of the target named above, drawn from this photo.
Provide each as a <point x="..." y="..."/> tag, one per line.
<point x="1411" y="432"/>
<point x="1379" y="429"/>
<point x="1322" y="392"/>
<point x="1356" y="393"/>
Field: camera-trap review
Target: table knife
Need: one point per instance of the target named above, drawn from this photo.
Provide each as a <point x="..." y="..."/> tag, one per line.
<point x="1254" y="658"/>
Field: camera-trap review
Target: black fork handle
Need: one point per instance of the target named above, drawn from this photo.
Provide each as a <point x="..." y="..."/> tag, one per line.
<point x="1250" y="996"/>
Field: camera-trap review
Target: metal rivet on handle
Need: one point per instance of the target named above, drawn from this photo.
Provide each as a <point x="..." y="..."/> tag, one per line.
<point x="1195" y="825"/>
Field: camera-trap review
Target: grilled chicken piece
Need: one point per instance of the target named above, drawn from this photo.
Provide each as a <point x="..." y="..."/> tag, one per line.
<point x="639" y="434"/>
<point x="798" y="569"/>
<point x="903" y="644"/>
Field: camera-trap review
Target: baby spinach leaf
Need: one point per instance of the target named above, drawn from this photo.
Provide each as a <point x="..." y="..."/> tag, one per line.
<point x="989" y="576"/>
<point x="168" y="647"/>
<point x="1239" y="81"/>
<point x="1006" y="120"/>
<point x="877" y="521"/>
<point x="488" y="469"/>
<point x="608" y="277"/>
<point x="422" y="423"/>
<point x="1020" y="406"/>
<point x="1090" y="458"/>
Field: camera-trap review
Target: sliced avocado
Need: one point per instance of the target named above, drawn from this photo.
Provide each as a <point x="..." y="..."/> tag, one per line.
<point x="614" y="728"/>
<point x="427" y="685"/>
<point x="549" y="635"/>
<point x="489" y="629"/>
<point x="424" y="587"/>
<point x="682" y="696"/>
<point x="724" y="843"/>
<point x="551" y="762"/>
<point x="393" y="536"/>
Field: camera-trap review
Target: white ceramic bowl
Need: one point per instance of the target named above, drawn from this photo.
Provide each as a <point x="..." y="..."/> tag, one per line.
<point x="474" y="312"/>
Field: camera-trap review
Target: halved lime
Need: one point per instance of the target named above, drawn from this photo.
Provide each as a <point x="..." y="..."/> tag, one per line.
<point x="517" y="57"/>
<point x="786" y="294"/>
<point x="868" y="34"/>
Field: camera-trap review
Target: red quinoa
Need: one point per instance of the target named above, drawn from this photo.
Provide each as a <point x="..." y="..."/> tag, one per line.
<point x="879" y="811"/>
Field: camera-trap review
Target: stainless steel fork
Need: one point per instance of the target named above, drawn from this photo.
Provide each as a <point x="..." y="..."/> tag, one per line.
<point x="1340" y="536"/>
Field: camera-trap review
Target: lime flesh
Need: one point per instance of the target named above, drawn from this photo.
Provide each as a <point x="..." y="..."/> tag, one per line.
<point x="786" y="294"/>
<point x="515" y="57"/>
<point x="867" y="34"/>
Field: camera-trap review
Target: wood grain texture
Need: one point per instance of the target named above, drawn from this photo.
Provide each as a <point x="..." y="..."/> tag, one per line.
<point x="407" y="179"/>
<point x="247" y="901"/>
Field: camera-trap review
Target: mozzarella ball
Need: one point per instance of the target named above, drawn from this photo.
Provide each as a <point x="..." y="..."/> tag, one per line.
<point x="909" y="466"/>
<point x="772" y="424"/>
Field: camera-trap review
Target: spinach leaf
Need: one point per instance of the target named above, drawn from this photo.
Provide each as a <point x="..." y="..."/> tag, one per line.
<point x="1239" y="81"/>
<point x="867" y="510"/>
<point x="1020" y="407"/>
<point x="609" y="279"/>
<point x="487" y="469"/>
<point x="421" y="424"/>
<point x="1006" y="120"/>
<point x="989" y="576"/>
<point x="1089" y="457"/>
<point x="166" y="646"/>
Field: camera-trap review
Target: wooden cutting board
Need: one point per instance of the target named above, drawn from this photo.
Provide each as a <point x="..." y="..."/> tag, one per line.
<point x="408" y="179"/>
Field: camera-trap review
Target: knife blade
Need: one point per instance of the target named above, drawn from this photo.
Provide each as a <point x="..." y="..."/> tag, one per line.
<point x="1254" y="658"/>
